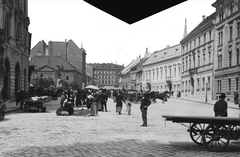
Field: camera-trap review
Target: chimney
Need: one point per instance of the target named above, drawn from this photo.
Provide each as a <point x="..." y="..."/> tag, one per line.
<point x="203" y="17"/>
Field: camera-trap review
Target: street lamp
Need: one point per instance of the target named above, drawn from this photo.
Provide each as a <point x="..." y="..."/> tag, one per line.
<point x="206" y="91"/>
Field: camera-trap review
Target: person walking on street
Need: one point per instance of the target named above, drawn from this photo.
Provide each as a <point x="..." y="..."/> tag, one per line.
<point x="4" y="94"/>
<point x="220" y="107"/>
<point x="119" y="100"/>
<point x="103" y="101"/>
<point x="145" y="102"/>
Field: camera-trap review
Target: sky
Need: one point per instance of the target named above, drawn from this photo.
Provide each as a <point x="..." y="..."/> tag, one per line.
<point x="107" y="39"/>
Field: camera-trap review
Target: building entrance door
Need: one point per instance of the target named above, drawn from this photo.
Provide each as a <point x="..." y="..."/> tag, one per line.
<point x="7" y="78"/>
<point x="192" y="85"/>
<point x="17" y="78"/>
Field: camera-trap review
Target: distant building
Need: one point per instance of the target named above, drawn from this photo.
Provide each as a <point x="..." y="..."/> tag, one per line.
<point x="69" y="51"/>
<point x="15" y="44"/>
<point x="55" y="70"/>
<point x="226" y="50"/>
<point x="106" y="74"/>
<point x="89" y="75"/>
<point x="162" y="70"/>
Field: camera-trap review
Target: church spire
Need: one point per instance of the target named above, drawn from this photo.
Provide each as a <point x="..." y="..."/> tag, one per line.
<point x="185" y="29"/>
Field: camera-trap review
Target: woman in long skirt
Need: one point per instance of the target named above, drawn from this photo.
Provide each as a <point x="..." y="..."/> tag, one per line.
<point x="119" y="100"/>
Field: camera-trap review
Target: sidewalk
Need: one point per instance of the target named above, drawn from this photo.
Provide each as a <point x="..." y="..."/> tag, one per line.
<point x="210" y="102"/>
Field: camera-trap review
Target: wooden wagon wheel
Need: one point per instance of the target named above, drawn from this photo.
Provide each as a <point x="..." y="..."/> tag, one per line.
<point x="196" y="131"/>
<point x="216" y="137"/>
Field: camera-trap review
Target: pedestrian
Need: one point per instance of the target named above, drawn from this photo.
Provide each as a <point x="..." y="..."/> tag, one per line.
<point x="220" y="107"/>
<point x="119" y="102"/>
<point x="129" y="105"/>
<point x="145" y="102"/>
<point x="172" y="93"/>
<point x="18" y="97"/>
<point x="4" y="94"/>
<point x="63" y="98"/>
<point x="94" y="104"/>
<point x="103" y="100"/>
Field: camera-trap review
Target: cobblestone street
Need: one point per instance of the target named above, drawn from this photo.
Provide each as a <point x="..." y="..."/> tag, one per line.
<point x="107" y="135"/>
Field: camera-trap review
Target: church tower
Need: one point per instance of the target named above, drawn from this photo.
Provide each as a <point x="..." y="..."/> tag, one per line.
<point x="185" y="29"/>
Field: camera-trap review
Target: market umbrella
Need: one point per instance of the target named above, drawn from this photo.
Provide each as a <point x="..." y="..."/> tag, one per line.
<point x="92" y="87"/>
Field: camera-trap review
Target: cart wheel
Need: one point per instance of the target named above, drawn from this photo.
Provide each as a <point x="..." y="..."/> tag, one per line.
<point x="196" y="131"/>
<point x="215" y="137"/>
<point x="2" y="112"/>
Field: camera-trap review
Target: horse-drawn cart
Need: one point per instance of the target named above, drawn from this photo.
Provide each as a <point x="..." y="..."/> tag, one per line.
<point x="34" y="103"/>
<point x="214" y="133"/>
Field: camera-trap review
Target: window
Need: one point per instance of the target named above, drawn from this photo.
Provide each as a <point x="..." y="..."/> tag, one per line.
<point x="199" y="60"/>
<point x="186" y="63"/>
<point x="179" y="71"/>
<point x="183" y="63"/>
<point x="157" y="74"/>
<point x="194" y="43"/>
<point x="199" y="41"/>
<point x="204" y="38"/>
<point x="231" y="7"/>
<point x="236" y="84"/>
<point x="175" y="72"/>
<point x="209" y="56"/>
<point x="220" y="15"/>
<point x="209" y="81"/>
<point x="161" y="74"/>
<point x="203" y="83"/>
<point x="198" y="83"/>
<point x="170" y="72"/>
<point x="238" y="56"/>
<point x="229" y="84"/>
<point x="220" y="38"/>
<point x="165" y="73"/>
<point x="219" y="61"/>
<point x="238" y="29"/>
<point x="230" y="33"/>
<point x="210" y="35"/>
<point x="190" y="63"/>
<point x="204" y="59"/>
<point x="230" y="58"/>
<point x="219" y="86"/>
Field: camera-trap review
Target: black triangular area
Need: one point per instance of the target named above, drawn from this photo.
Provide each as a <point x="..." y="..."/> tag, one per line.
<point x="133" y="12"/>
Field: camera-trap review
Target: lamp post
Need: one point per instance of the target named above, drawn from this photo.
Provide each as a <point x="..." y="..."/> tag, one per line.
<point x="206" y="91"/>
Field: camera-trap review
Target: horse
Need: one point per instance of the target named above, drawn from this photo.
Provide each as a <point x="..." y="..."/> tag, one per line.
<point x="156" y="95"/>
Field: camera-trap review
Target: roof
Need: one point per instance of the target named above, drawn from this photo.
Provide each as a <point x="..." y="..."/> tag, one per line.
<point x="51" y="61"/>
<point x="208" y="19"/>
<point x="164" y="54"/>
<point x="106" y="66"/>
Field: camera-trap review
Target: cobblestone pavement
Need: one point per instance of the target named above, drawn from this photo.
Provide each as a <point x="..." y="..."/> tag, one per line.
<point x="107" y="134"/>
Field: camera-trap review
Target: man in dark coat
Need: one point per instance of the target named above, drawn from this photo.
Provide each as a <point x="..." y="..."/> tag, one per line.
<point x="119" y="100"/>
<point x="145" y="102"/>
<point x="4" y="94"/>
<point x="220" y="107"/>
<point x="103" y="100"/>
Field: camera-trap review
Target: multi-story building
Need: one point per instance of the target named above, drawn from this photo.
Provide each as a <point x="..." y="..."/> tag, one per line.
<point x="197" y="60"/>
<point x="55" y="71"/>
<point x="89" y="75"/>
<point x="136" y="72"/>
<point x="162" y="70"/>
<point x="15" y="43"/>
<point x="226" y="53"/>
<point x="106" y="74"/>
<point x="125" y="80"/>
<point x="69" y="51"/>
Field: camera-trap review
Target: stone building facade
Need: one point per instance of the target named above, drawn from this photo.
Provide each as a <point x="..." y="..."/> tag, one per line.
<point x="106" y="74"/>
<point x="15" y="44"/>
<point x="68" y="50"/>
<point x="226" y="53"/>
<point x="162" y="70"/>
<point x="197" y="60"/>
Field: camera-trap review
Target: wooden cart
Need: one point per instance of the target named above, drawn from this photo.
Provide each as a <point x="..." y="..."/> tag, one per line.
<point x="33" y="104"/>
<point x="214" y="133"/>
